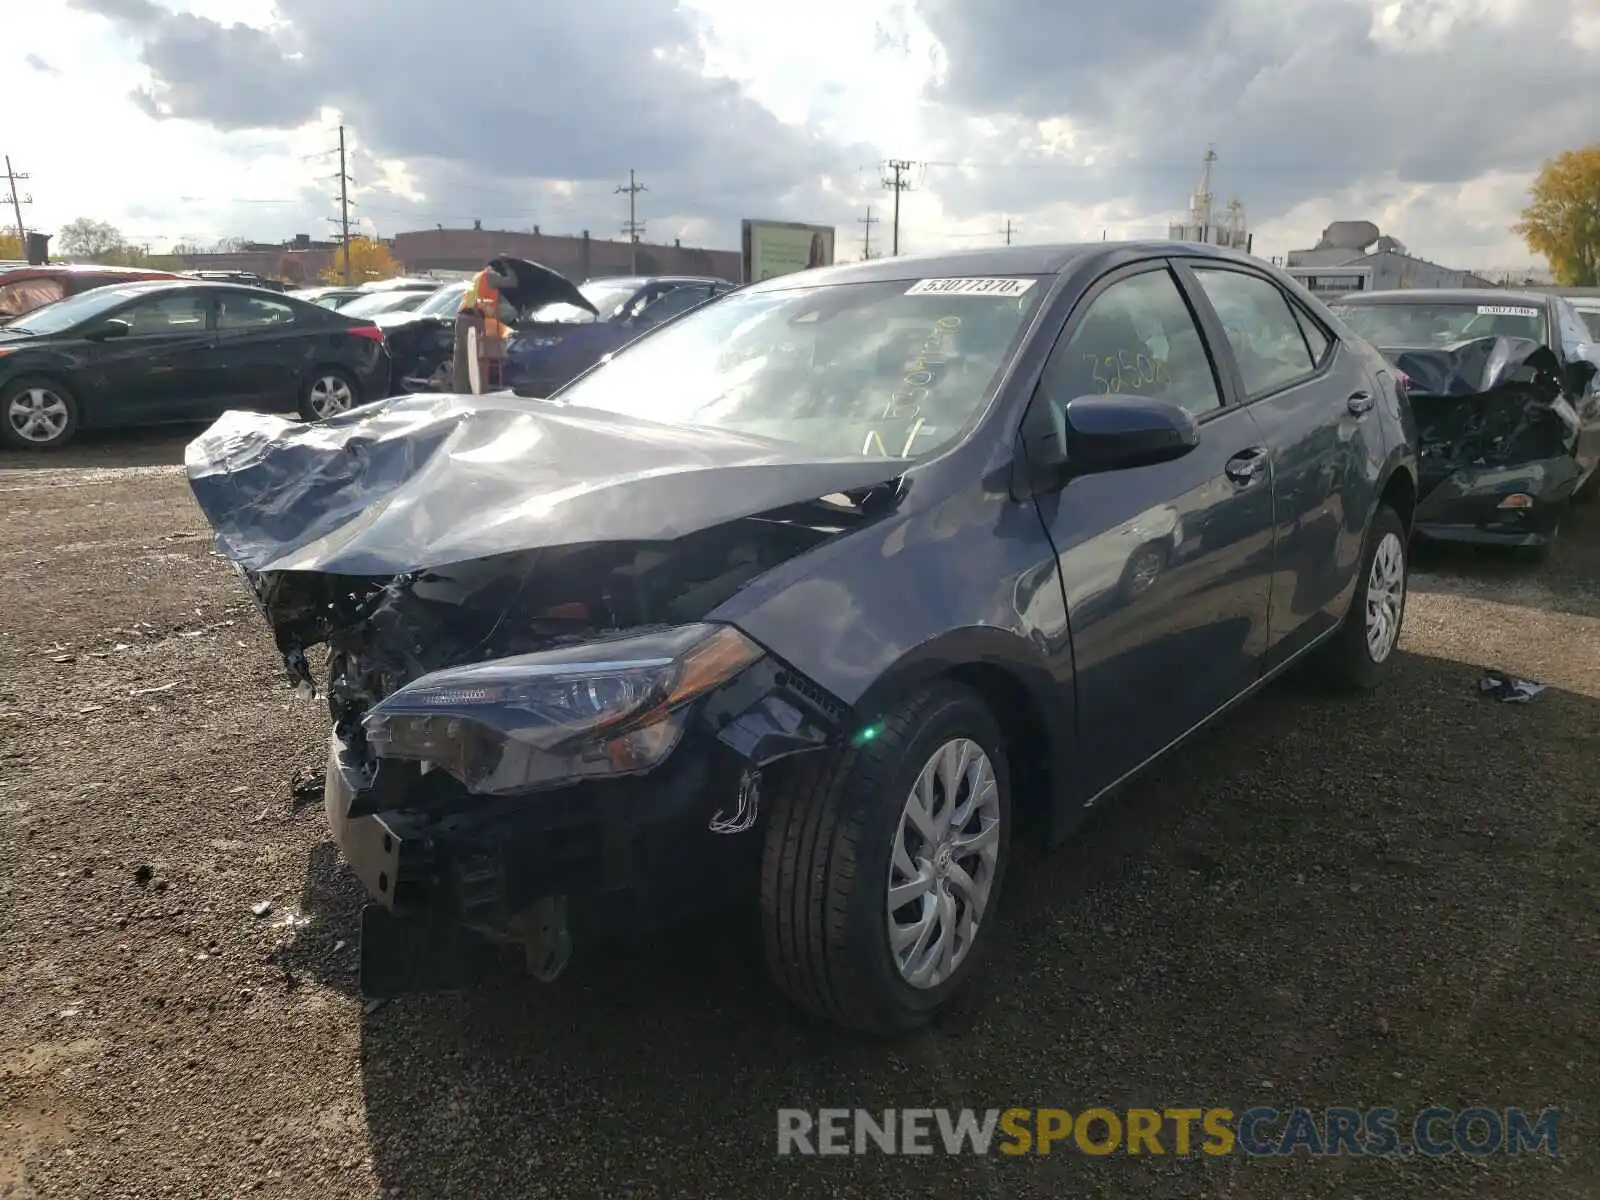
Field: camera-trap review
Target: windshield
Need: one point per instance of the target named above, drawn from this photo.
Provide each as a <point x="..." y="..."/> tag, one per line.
<point x="607" y="297"/>
<point x="64" y="314"/>
<point x="876" y="369"/>
<point x="446" y="300"/>
<point x="382" y="302"/>
<point x="1441" y="324"/>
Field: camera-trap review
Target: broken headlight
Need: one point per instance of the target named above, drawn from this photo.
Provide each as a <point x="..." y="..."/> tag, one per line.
<point x="532" y="721"/>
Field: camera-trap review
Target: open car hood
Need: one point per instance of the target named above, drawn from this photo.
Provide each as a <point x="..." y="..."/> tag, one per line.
<point x="423" y="481"/>
<point x="537" y="286"/>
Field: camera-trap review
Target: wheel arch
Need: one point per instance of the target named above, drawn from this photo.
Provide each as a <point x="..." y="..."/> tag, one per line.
<point x="1399" y="492"/>
<point x="1010" y="674"/>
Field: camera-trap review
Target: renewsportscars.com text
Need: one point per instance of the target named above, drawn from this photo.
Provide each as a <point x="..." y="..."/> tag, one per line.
<point x="1257" y="1132"/>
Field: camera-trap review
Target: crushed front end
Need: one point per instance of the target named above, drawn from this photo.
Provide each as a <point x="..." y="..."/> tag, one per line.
<point x="539" y="742"/>
<point x="1497" y="441"/>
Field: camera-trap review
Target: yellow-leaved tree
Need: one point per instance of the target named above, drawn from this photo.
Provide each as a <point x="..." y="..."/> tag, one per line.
<point x="369" y="260"/>
<point x="1563" y="221"/>
<point x="11" y="248"/>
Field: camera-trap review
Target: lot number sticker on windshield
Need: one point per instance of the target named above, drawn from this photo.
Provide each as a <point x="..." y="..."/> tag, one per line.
<point x="969" y="287"/>
<point x="1506" y="310"/>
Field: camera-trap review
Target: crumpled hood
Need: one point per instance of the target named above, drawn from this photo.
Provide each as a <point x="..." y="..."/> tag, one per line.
<point x="425" y="481"/>
<point x="1474" y="367"/>
<point x="1491" y="417"/>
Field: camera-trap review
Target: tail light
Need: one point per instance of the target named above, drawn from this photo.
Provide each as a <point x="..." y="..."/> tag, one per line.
<point x="371" y="332"/>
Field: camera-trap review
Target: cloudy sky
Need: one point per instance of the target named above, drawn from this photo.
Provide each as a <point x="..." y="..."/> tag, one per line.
<point x="198" y="119"/>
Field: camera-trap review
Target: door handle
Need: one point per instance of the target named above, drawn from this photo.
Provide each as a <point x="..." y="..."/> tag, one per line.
<point x="1359" y="403"/>
<point x="1245" y="467"/>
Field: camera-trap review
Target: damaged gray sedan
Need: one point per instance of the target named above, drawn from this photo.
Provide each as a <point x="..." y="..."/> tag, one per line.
<point x="813" y="595"/>
<point x="1504" y="388"/>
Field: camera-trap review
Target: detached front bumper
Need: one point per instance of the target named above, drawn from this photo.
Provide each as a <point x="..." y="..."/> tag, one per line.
<point x="1467" y="506"/>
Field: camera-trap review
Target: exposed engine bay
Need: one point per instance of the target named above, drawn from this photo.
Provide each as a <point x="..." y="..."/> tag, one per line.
<point x="1486" y="403"/>
<point x="382" y="634"/>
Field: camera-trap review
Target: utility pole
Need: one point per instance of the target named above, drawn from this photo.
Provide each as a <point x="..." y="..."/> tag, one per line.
<point x="634" y="227"/>
<point x="1009" y="230"/>
<point x="897" y="183"/>
<point x="17" y="201"/>
<point x="867" y="223"/>
<point x="344" y="208"/>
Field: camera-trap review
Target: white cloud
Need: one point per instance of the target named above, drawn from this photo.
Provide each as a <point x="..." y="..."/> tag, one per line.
<point x="807" y="110"/>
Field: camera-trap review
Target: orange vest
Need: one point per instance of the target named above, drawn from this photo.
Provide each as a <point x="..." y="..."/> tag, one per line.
<point x="484" y="298"/>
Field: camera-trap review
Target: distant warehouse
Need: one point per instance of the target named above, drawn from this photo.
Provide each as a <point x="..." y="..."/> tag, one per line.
<point x="1352" y="256"/>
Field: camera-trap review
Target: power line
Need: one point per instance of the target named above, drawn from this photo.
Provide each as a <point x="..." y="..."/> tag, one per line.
<point x="634" y="227"/>
<point x="897" y="184"/>
<point x="867" y="222"/>
<point x="343" y="219"/>
<point x="17" y="201"/>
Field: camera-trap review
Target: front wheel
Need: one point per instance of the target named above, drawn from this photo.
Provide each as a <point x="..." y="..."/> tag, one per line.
<point x="882" y="869"/>
<point x="38" y="414"/>
<point x="1359" y="653"/>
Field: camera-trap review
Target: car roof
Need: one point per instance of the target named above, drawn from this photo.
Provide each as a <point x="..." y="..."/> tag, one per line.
<point x="1447" y="296"/>
<point x="142" y="287"/>
<point x="1001" y="261"/>
<point x="44" y="270"/>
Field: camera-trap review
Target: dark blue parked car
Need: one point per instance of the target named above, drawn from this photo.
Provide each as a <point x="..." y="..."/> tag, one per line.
<point x="815" y="595"/>
<point x="561" y="341"/>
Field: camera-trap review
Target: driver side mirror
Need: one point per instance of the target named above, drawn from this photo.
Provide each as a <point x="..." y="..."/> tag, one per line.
<point x="108" y="329"/>
<point x="1094" y="434"/>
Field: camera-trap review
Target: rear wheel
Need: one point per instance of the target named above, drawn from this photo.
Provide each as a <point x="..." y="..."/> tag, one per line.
<point x="1359" y="653"/>
<point x="328" y="393"/>
<point x="882" y="869"/>
<point x="38" y="414"/>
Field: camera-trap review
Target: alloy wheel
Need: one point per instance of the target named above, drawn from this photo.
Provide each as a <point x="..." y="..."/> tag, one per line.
<point x="38" y="415"/>
<point x="1386" y="596"/>
<point x="942" y="869"/>
<point x="330" y="396"/>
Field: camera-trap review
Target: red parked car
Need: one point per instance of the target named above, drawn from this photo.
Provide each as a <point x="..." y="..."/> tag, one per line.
<point x="23" y="289"/>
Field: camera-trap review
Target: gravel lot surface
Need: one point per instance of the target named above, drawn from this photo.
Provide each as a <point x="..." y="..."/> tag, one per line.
<point x="1386" y="900"/>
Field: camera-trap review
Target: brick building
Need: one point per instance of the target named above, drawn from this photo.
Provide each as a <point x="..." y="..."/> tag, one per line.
<point x="578" y="258"/>
<point x="300" y="260"/>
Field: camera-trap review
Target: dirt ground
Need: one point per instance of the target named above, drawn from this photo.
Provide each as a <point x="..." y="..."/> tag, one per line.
<point x="1389" y="900"/>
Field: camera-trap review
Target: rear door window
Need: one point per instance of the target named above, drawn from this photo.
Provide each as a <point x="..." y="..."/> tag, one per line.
<point x="1317" y="341"/>
<point x="1261" y="328"/>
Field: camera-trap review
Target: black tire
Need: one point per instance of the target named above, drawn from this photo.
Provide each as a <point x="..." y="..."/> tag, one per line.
<point x="826" y="868"/>
<point x="1349" y="662"/>
<point x="18" y="388"/>
<point x="308" y="408"/>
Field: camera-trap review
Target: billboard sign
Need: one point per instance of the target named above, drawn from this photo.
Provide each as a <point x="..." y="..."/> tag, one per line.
<point x="773" y="248"/>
